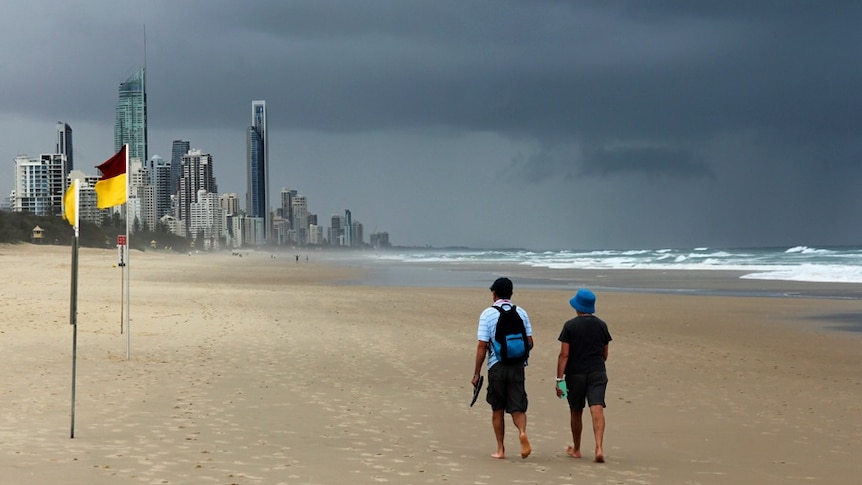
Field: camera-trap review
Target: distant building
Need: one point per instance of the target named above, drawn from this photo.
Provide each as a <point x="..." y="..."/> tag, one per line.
<point x="252" y="231"/>
<point x="287" y="207"/>
<point x="178" y="149"/>
<point x="257" y="195"/>
<point x="379" y="240"/>
<point x="40" y="184"/>
<point x="141" y="203"/>
<point x="196" y="174"/>
<point x="87" y="209"/>
<point x="336" y="235"/>
<point x="230" y="203"/>
<point x="130" y="126"/>
<point x="300" y="216"/>
<point x="315" y="234"/>
<point x="347" y="228"/>
<point x="160" y="177"/>
<point x="356" y="234"/>
<point x="64" y="144"/>
<point x="205" y="219"/>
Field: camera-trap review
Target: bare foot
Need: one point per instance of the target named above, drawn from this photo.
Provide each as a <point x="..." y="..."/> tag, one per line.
<point x="600" y="457"/>
<point x="571" y="451"/>
<point x="525" y="445"/>
<point x="500" y="454"/>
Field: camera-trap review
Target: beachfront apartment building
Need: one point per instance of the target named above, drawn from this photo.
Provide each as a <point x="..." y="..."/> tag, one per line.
<point x="160" y="178"/>
<point x="40" y="184"/>
<point x="196" y="174"/>
<point x="206" y="220"/>
<point x="87" y="208"/>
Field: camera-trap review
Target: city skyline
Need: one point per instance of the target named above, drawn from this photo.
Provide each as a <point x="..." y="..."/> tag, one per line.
<point x="587" y="124"/>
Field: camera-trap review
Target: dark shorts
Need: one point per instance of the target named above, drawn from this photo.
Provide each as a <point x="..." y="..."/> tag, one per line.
<point x="506" y="388"/>
<point x="589" y="388"/>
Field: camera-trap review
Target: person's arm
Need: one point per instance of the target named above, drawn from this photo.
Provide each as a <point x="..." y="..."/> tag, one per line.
<point x="481" y="350"/>
<point x="605" y="353"/>
<point x="561" y="365"/>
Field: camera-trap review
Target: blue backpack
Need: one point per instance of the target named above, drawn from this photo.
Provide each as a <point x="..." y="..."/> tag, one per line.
<point x="510" y="339"/>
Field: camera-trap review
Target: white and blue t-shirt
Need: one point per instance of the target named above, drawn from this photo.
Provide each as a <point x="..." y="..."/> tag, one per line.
<point x="488" y="326"/>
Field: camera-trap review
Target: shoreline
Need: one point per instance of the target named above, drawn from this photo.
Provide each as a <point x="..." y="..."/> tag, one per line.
<point x="664" y="281"/>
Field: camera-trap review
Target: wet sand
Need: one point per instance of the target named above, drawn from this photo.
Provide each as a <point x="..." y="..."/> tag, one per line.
<point x="257" y="370"/>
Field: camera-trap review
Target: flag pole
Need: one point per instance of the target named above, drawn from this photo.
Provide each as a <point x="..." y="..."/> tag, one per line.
<point x="127" y="269"/>
<point x="73" y="305"/>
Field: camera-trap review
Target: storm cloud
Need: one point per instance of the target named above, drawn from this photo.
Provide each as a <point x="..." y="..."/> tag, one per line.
<point x="539" y="124"/>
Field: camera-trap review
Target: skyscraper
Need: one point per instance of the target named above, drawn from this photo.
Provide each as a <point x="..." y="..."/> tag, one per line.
<point x="64" y="144"/>
<point x="131" y="122"/>
<point x="257" y="196"/>
<point x="179" y="148"/>
<point x="160" y="175"/>
<point x="196" y="175"/>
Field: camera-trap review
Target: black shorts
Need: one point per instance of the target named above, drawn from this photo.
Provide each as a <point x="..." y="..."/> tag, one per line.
<point x="589" y="388"/>
<point x="506" y="388"/>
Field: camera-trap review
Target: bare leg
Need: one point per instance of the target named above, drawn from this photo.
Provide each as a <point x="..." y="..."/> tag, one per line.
<point x="598" y="414"/>
<point x="497" y="419"/>
<point x="577" y="425"/>
<point x="520" y="420"/>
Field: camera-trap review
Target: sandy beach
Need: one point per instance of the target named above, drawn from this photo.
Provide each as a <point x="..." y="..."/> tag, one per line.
<point x="264" y="370"/>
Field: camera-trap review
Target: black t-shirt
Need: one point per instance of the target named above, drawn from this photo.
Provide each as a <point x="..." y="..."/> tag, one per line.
<point x="587" y="336"/>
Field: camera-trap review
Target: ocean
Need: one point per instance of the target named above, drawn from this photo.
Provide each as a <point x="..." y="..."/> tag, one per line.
<point x="798" y="263"/>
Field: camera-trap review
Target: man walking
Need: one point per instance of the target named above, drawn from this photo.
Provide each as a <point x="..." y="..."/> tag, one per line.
<point x="583" y="352"/>
<point x="506" y="336"/>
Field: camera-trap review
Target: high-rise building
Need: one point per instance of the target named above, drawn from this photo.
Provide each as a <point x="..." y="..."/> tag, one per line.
<point x="206" y="220"/>
<point x="141" y="208"/>
<point x="356" y="234"/>
<point x="87" y="209"/>
<point x="196" y="174"/>
<point x="160" y="175"/>
<point x="348" y="228"/>
<point x="131" y="116"/>
<point x="287" y="207"/>
<point x="257" y="195"/>
<point x="230" y="203"/>
<point x="300" y="215"/>
<point x="40" y="184"/>
<point x="178" y="149"/>
<point x="336" y="235"/>
<point x="64" y="144"/>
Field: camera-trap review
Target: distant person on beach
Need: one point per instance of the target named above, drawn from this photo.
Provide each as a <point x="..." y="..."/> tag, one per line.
<point x="583" y="352"/>
<point x="506" y="392"/>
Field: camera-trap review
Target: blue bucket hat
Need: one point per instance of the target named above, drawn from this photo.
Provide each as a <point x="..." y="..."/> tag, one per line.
<point x="584" y="301"/>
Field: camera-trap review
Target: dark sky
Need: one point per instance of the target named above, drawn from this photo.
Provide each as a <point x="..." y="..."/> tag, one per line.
<point x="542" y="124"/>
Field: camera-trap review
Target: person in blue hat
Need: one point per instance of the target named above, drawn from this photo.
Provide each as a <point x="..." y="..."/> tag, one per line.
<point x="583" y="351"/>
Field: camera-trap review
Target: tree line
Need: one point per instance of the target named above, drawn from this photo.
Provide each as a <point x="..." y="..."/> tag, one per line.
<point x="17" y="227"/>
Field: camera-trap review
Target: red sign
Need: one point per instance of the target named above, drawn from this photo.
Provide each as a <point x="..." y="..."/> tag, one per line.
<point x="121" y="240"/>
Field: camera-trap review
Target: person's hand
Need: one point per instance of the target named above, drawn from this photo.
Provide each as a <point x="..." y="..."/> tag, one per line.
<point x="475" y="380"/>
<point x="557" y="388"/>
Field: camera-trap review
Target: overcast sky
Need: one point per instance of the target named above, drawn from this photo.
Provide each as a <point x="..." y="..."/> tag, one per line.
<point x="541" y="124"/>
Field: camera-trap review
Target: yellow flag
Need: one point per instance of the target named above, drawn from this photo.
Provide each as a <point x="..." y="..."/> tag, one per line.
<point x="111" y="188"/>
<point x="70" y="204"/>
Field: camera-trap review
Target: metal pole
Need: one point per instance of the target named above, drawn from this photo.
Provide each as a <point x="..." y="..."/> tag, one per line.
<point x="122" y="294"/>
<point x="73" y="319"/>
